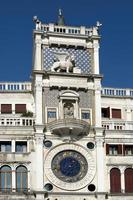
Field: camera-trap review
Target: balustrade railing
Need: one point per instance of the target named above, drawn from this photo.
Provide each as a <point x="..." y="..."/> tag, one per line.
<point x="117" y="92"/>
<point x="16" y="121"/>
<point x="15" y="86"/>
<point x="66" y="29"/>
<point x="117" y="125"/>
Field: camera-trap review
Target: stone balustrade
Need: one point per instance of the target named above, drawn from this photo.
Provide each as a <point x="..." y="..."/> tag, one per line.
<point x="16" y="121"/>
<point x="15" y="86"/>
<point x="66" y="29"/>
<point x="117" y="125"/>
<point x="119" y="92"/>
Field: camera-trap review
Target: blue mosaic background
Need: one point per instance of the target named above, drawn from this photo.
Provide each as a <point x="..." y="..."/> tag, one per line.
<point x="82" y="58"/>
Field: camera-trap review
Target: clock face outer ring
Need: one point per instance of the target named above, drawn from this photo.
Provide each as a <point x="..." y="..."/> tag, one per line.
<point x="73" y="185"/>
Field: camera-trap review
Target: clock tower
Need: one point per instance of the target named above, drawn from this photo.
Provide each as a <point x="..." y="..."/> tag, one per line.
<point x="69" y="156"/>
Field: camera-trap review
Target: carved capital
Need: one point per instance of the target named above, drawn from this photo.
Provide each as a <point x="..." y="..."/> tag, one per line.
<point x="99" y="142"/>
<point x="96" y="46"/>
<point x="89" y="45"/>
<point x="39" y="139"/>
<point x="97" y="86"/>
<point x="39" y="84"/>
<point x="38" y="42"/>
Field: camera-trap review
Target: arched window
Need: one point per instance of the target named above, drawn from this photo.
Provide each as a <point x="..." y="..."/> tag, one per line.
<point x="21" y="179"/>
<point x="5" y="178"/>
<point x="115" y="180"/>
<point x="129" y="180"/>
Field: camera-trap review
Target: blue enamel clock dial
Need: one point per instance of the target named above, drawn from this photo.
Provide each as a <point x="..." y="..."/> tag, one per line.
<point x="69" y="166"/>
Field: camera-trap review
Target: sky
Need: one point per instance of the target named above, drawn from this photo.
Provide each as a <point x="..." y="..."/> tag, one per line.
<point x="116" y="44"/>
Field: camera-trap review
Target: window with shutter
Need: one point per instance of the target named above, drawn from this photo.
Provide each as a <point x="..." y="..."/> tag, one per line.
<point x="116" y="113"/>
<point x="115" y="180"/>
<point x="107" y="149"/>
<point x="105" y="112"/>
<point x="119" y="149"/>
<point x="6" y="108"/>
<point x="129" y="180"/>
<point x="21" y="147"/>
<point x="114" y="149"/>
<point x="128" y="150"/>
<point x="20" y="108"/>
<point x="5" y="146"/>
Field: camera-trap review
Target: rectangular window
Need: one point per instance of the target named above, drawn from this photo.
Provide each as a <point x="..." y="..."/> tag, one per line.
<point x="5" y="146"/>
<point x="85" y="115"/>
<point x="21" y="147"/>
<point x="105" y="112"/>
<point x="20" y="108"/>
<point x="51" y="114"/>
<point x="113" y="149"/>
<point x="128" y="150"/>
<point x="6" y="108"/>
<point x="116" y="113"/>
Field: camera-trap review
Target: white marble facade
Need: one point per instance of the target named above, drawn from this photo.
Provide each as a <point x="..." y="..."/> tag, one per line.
<point x="63" y="136"/>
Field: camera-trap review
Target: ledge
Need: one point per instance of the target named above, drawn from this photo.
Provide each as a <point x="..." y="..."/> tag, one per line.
<point x="83" y="75"/>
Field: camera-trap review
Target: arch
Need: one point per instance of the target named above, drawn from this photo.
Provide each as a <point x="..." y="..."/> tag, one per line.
<point x="5" y="178"/>
<point x="23" y="164"/>
<point x="21" y="178"/>
<point x="69" y="104"/>
<point x="128" y="180"/>
<point x="69" y="93"/>
<point x="115" y="180"/>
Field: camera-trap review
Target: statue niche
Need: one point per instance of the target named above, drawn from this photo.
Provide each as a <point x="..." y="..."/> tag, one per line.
<point x="63" y="62"/>
<point x="68" y="110"/>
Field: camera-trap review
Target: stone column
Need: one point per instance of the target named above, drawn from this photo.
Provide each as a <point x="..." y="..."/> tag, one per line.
<point x="108" y="180"/>
<point x="38" y="99"/>
<point x="82" y="30"/>
<point x="100" y="160"/>
<point x="122" y="181"/>
<point x="51" y="27"/>
<point x="13" y="178"/>
<point x="61" y="111"/>
<point x="13" y="108"/>
<point x="13" y="146"/>
<point x="128" y="114"/>
<point x="76" y="110"/>
<point x="97" y="103"/>
<point x="96" y="56"/>
<point x="39" y="137"/>
<point x="37" y="57"/>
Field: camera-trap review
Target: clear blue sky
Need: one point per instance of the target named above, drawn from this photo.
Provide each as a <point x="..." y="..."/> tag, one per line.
<point x="116" y="52"/>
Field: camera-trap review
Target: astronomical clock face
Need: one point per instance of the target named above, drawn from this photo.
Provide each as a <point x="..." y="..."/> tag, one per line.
<point x="69" y="166"/>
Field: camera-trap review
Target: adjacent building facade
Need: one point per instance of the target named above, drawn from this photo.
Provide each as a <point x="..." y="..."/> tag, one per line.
<point x="62" y="135"/>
